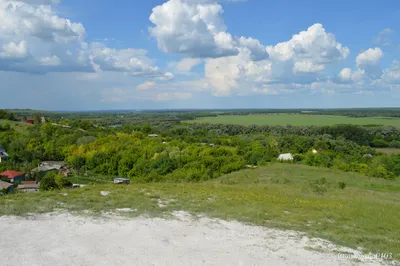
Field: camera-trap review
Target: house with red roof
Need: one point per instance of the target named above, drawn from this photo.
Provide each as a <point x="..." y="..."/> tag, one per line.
<point x="13" y="176"/>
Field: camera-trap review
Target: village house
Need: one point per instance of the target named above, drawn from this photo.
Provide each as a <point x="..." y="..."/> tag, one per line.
<point x="285" y="157"/>
<point x="3" y="154"/>
<point x="120" y="180"/>
<point x="28" y="186"/>
<point x="13" y="176"/>
<point x="30" y="120"/>
<point x="65" y="172"/>
<point x="6" y="187"/>
<point x="49" y="166"/>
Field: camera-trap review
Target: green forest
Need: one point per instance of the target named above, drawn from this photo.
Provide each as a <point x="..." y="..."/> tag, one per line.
<point x="195" y="152"/>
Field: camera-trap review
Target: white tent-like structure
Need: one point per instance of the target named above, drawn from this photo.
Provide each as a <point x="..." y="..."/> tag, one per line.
<point x="285" y="157"/>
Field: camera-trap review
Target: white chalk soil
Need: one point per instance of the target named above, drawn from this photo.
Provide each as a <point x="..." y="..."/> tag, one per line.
<point x="65" y="239"/>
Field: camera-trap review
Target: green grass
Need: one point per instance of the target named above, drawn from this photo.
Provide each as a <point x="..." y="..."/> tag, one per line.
<point x="389" y="151"/>
<point x="17" y="126"/>
<point x="363" y="214"/>
<point x="297" y="120"/>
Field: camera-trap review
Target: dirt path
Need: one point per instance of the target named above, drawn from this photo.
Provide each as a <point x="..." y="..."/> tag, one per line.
<point x="64" y="239"/>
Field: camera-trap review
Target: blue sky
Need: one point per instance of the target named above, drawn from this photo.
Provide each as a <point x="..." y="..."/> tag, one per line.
<point x="153" y="54"/>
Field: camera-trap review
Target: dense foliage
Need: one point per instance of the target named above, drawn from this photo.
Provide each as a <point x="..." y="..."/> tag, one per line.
<point x="197" y="152"/>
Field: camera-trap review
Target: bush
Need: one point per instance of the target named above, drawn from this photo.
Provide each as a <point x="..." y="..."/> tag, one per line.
<point x="395" y="144"/>
<point x="62" y="181"/>
<point x="298" y="157"/>
<point x="48" y="182"/>
<point x="381" y="172"/>
<point x="380" y="143"/>
<point x="342" y="185"/>
<point x="319" y="186"/>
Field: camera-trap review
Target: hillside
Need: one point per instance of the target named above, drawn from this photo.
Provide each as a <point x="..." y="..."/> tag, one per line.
<point x="348" y="209"/>
<point x="17" y="126"/>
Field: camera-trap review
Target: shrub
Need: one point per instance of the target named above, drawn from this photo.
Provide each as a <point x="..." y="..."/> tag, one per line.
<point x="319" y="186"/>
<point x="342" y="185"/>
<point x="48" y="182"/>
<point x="395" y="144"/>
<point x="381" y="172"/>
<point x="380" y="143"/>
<point x="298" y="157"/>
<point x="62" y="181"/>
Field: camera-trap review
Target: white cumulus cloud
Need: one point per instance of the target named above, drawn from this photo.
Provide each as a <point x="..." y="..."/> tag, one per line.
<point x="197" y="29"/>
<point x="302" y="59"/>
<point x="35" y="39"/>
<point x="369" y="61"/>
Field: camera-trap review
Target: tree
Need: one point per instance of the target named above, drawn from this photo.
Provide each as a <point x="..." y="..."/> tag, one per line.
<point x="62" y="181"/>
<point x="48" y="182"/>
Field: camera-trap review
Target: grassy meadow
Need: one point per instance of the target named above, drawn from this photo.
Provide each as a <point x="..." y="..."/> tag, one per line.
<point x="297" y="120"/>
<point x="389" y="151"/>
<point x="346" y="208"/>
<point x="17" y="126"/>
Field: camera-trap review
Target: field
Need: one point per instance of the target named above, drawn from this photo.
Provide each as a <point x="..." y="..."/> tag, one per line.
<point x="389" y="151"/>
<point x="17" y="126"/>
<point x="297" y="120"/>
<point x="346" y="208"/>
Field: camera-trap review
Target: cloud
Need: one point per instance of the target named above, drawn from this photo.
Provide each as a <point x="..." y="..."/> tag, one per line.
<point x="265" y="90"/>
<point x="35" y="39"/>
<point x="392" y="74"/>
<point x="50" y="61"/>
<point x="197" y="29"/>
<point x="145" y="86"/>
<point x="191" y="29"/>
<point x="168" y="96"/>
<point x="384" y="37"/>
<point x="210" y="1"/>
<point x="302" y="59"/>
<point x="41" y="2"/>
<point x="121" y="95"/>
<point x="185" y="65"/>
<point x="310" y="50"/>
<point x="369" y="61"/>
<point x="166" y="76"/>
<point x="345" y="74"/>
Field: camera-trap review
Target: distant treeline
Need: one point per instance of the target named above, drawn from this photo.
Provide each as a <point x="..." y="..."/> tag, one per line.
<point x="7" y="115"/>
<point x="379" y="137"/>
<point x="359" y="112"/>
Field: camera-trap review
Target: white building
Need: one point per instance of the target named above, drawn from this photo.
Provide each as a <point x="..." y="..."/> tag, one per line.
<point x="285" y="157"/>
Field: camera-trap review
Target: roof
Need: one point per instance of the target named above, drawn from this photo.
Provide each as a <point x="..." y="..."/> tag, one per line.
<point x="121" y="178"/>
<point x="29" y="186"/>
<point x="5" y="185"/>
<point x="28" y="183"/>
<point x="45" y="168"/>
<point x="4" y="154"/>
<point x="11" y="174"/>
<point x="48" y="166"/>
<point x="285" y="156"/>
<point x="53" y="163"/>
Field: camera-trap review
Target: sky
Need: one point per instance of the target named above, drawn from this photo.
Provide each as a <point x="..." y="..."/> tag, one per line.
<point x="199" y="54"/>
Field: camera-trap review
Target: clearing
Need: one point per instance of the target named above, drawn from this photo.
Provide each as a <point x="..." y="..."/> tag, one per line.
<point x="297" y="120"/>
<point x="389" y="151"/>
<point x="17" y="126"/>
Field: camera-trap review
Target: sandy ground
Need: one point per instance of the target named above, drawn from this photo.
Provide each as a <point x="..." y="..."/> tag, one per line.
<point x="64" y="239"/>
